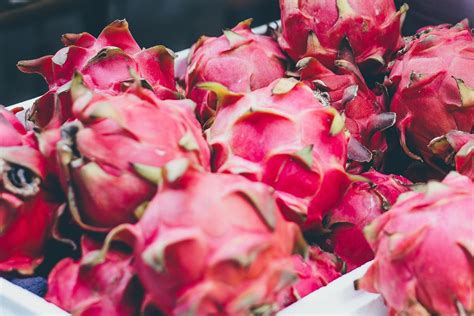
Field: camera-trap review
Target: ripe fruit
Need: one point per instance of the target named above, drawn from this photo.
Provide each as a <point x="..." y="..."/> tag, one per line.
<point x="433" y="89"/>
<point x="457" y="150"/>
<point x="283" y="136"/>
<point x="225" y="253"/>
<point x="105" y="153"/>
<point x="315" y="271"/>
<point x="240" y="60"/>
<point x="424" y="251"/>
<point x="27" y="207"/>
<point x="363" y="202"/>
<point x="317" y="28"/>
<point x="106" y="63"/>
<point x="95" y="288"/>
<point x="364" y="112"/>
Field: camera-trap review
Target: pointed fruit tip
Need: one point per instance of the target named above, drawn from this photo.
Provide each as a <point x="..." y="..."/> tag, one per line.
<point x="284" y="86"/>
<point x="150" y="173"/>
<point x="337" y="125"/>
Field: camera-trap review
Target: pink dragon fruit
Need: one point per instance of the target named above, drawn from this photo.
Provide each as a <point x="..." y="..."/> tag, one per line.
<point x="433" y="89"/>
<point x="27" y="207"/>
<point x="424" y="251"/>
<point x="362" y="203"/>
<point x="317" y="28"/>
<point x="240" y="246"/>
<point x="102" y="153"/>
<point x="240" y="60"/>
<point x="85" y="288"/>
<point x="283" y="136"/>
<point x="106" y="63"/>
<point x="456" y="148"/>
<point x="365" y="114"/>
<point x="314" y="272"/>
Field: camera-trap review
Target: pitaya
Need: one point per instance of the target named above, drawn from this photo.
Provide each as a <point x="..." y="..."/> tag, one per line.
<point x="362" y="203"/>
<point x="213" y="244"/>
<point x="424" y="251"/>
<point x="456" y="148"/>
<point x="240" y="60"/>
<point x="433" y="89"/>
<point x="315" y="271"/>
<point x="85" y="288"/>
<point x="102" y="153"/>
<point x="27" y="206"/>
<point x="316" y="28"/>
<point x="283" y="136"/>
<point x="106" y="63"/>
<point x="364" y="112"/>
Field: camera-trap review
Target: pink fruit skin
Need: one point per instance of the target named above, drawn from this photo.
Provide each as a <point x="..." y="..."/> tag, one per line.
<point x="314" y="272"/>
<point x="365" y="113"/>
<point x="106" y="63"/>
<point x="433" y="88"/>
<point x="424" y="251"/>
<point x="456" y="148"/>
<point x="287" y="139"/>
<point x="316" y="28"/>
<point x="26" y="207"/>
<point x="100" y="152"/>
<point x="362" y="203"/>
<point x="239" y="245"/>
<point x="464" y="160"/>
<point x="94" y="289"/>
<point x="240" y="60"/>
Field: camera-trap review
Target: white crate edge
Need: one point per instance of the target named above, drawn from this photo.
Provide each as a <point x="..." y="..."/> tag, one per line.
<point x="338" y="298"/>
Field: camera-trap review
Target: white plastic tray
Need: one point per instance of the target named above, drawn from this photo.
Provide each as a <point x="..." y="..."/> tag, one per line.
<point x="338" y="298"/>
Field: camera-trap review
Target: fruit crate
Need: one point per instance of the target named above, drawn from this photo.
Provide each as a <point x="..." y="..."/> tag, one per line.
<point x="337" y="298"/>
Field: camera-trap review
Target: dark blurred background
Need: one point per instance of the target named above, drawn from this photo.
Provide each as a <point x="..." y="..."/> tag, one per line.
<point x="32" y="28"/>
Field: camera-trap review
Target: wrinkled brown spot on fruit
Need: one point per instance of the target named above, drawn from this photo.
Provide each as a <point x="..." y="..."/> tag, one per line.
<point x="19" y="180"/>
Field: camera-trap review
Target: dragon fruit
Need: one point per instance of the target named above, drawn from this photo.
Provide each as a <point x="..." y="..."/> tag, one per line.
<point x="424" y="251"/>
<point x="102" y="153"/>
<point x="283" y="136"/>
<point x="433" y="89"/>
<point x="365" y="114"/>
<point x="362" y="203"/>
<point x="86" y="288"/>
<point x="314" y="28"/>
<point x="240" y="246"/>
<point x="456" y="148"/>
<point x="240" y="60"/>
<point x="315" y="271"/>
<point x="27" y="207"/>
<point x="105" y="62"/>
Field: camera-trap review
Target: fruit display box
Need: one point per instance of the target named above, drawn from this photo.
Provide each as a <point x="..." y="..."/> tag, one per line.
<point x="339" y="297"/>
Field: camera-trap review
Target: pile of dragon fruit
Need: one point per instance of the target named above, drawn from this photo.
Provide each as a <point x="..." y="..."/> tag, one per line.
<point x="275" y="164"/>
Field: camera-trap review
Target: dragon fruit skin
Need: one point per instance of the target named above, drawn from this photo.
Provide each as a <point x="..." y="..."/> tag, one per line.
<point x="240" y="60"/>
<point x="27" y="208"/>
<point x="313" y="28"/>
<point x="102" y="153"/>
<point x="240" y="245"/>
<point x="456" y="148"/>
<point x="433" y="76"/>
<point x="314" y="272"/>
<point x="364" y="112"/>
<point x="88" y="289"/>
<point x="424" y="251"/>
<point x="106" y="63"/>
<point x="283" y="136"/>
<point x="363" y="202"/>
